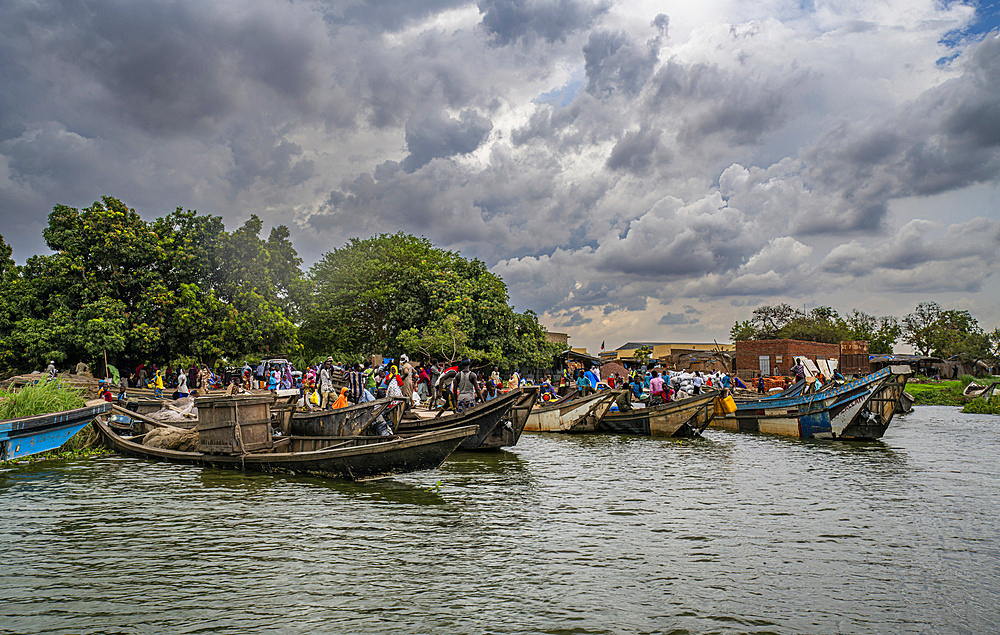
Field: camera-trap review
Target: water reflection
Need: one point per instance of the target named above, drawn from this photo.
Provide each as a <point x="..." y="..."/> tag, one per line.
<point x="732" y="532"/>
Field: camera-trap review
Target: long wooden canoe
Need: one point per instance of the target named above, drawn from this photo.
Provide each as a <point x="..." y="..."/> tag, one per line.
<point x="344" y="421"/>
<point x="859" y="409"/>
<point x="682" y="418"/>
<point x="581" y="414"/>
<point x="486" y="417"/>
<point x="41" y="433"/>
<point x="354" y="458"/>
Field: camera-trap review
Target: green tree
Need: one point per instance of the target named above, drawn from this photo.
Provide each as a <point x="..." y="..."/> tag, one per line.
<point x="919" y="327"/>
<point x="743" y="331"/>
<point x="881" y="333"/>
<point x="396" y="292"/>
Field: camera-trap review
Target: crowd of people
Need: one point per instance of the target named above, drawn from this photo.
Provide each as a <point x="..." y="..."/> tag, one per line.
<point x="329" y="385"/>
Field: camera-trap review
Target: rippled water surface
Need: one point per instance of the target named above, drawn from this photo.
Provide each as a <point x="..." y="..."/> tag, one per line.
<point x="562" y="534"/>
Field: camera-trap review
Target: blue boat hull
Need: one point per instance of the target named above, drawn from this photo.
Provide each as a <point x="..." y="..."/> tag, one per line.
<point x="41" y="433"/>
<point x="860" y="409"/>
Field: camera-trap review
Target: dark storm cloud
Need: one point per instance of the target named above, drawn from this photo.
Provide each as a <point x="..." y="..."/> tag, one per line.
<point x="676" y="319"/>
<point x="510" y="21"/>
<point x="575" y="319"/>
<point x="945" y="140"/>
<point x="615" y="64"/>
<point x="385" y="15"/>
<point x="637" y="151"/>
<point x="436" y="135"/>
<point x="662" y="24"/>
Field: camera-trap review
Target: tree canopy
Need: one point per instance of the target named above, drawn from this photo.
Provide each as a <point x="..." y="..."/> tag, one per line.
<point x="173" y="288"/>
<point x="397" y="293"/>
<point x="821" y="324"/>
<point x="184" y="287"/>
<point x="946" y="333"/>
<point x="929" y="329"/>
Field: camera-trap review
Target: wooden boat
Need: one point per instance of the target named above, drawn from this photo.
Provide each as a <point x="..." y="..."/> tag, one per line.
<point x="494" y="428"/>
<point x="858" y="409"/>
<point x="345" y="421"/>
<point x="581" y="414"/>
<point x="41" y="433"/>
<point x="905" y="403"/>
<point x="354" y="458"/>
<point x="682" y="418"/>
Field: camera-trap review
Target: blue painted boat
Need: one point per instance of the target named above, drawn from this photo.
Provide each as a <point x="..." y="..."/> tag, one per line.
<point x="41" y="433"/>
<point x="860" y="409"/>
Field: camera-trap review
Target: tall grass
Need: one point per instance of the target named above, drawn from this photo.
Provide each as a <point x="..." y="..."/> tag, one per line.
<point x="983" y="407"/>
<point x="39" y="399"/>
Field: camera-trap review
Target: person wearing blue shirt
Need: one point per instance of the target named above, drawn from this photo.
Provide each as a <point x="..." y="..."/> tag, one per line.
<point x="637" y="387"/>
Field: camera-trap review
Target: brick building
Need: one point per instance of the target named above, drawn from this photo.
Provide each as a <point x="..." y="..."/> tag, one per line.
<point x="776" y="357"/>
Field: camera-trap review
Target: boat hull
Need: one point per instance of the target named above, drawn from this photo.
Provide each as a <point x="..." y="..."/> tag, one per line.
<point x="366" y="459"/>
<point x="343" y="421"/>
<point x="41" y="433"/>
<point x="859" y="410"/>
<point x="581" y="414"/>
<point x="684" y="418"/>
<point x="486" y="417"/>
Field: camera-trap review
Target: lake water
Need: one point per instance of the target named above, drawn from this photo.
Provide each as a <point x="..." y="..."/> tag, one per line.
<point x="562" y="534"/>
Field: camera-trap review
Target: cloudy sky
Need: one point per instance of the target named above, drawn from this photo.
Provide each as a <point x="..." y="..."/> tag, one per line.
<point x="633" y="170"/>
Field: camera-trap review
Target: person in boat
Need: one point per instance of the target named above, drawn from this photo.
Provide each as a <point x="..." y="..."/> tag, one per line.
<point x="466" y="387"/>
<point x="158" y="385"/>
<point x="656" y="388"/>
<point x="434" y="372"/>
<point x="548" y="389"/>
<point x="837" y="376"/>
<point x="341" y="401"/>
<point x="696" y="382"/>
<point x="50" y="370"/>
<point x="326" y="383"/>
<point x="495" y="376"/>
<point x="491" y="391"/>
<point x="423" y="383"/>
<point x="760" y="384"/>
<point x="122" y="388"/>
<point x="394" y="384"/>
<point x="515" y="380"/>
<point x="355" y="384"/>
<point x="637" y="387"/>
<point x="105" y="394"/>
<point x="408" y="376"/>
<point x="582" y="383"/>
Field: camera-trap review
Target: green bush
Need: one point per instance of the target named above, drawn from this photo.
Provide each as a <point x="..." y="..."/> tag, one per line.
<point x="39" y="399"/>
<point x="980" y="406"/>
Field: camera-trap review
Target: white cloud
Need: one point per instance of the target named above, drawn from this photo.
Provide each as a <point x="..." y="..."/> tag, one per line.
<point x="749" y="152"/>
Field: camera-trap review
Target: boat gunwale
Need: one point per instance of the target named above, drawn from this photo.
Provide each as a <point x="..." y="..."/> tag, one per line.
<point x="395" y="442"/>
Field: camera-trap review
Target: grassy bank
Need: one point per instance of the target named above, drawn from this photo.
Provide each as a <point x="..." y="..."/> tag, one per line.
<point x="928" y="392"/>
<point x="936" y="393"/>
<point x="43" y="398"/>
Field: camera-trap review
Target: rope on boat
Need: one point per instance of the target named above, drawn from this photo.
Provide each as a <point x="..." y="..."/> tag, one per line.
<point x="239" y="437"/>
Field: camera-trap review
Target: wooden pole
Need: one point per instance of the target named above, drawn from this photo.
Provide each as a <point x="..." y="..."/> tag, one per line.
<point x="107" y="375"/>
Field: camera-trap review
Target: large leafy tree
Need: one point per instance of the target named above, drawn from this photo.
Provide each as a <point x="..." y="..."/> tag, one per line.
<point x="396" y="292"/>
<point x="180" y="286"/>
